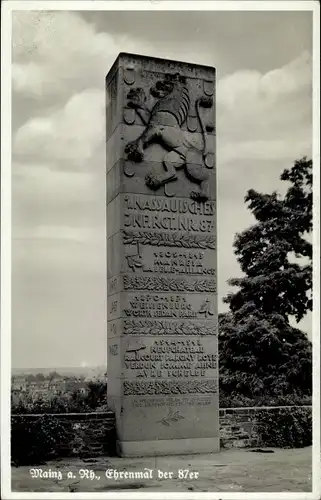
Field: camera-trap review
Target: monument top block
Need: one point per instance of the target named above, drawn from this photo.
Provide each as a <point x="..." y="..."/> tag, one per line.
<point x="156" y="64"/>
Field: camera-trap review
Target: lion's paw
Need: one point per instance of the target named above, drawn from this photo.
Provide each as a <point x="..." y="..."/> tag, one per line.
<point x="195" y="195"/>
<point x="152" y="181"/>
<point x="198" y="196"/>
<point x="133" y="152"/>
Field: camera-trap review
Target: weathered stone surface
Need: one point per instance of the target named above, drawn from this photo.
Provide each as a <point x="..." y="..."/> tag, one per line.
<point x="132" y="72"/>
<point x="172" y="305"/>
<point x="168" y="260"/>
<point x="162" y="327"/>
<point x="163" y="357"/>
<point x="115" y="260"/>
<point x="159" y="213"/>
<point x="169" y="327"/>
<point x="118" y="182"/>
<point x="161" y="255"/>
<point x="177" y="420"/>
<point x="115" y="356"/>
<point x="124" y="133"/>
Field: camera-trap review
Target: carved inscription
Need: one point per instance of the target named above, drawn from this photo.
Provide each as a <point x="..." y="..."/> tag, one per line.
<point x="163" y="327"/>
<point x="171" y="223"/>
<point x="113" y="349"/>
<point x="179" y="262"/>
<point x="134" y="345"/>
<point x="206" y="309"/>
<point x="143" y="388"/>
<point x="113" y="285"/>
<point x="169" y="261"/>
<point x="176" y="206"/>
<point x="112" y="328"/>
<point x="165" y="284"/>
<point x="169" y="359"/>
<point x="172" y="401"/>
<point x="175" y="214"/>
<point x="114" y="305"/>
<point x="157" y="306"/>
<point x="169" y="239"/>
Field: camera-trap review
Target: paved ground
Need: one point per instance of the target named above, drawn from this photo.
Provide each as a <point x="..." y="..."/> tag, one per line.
<point x="230" y="470"/>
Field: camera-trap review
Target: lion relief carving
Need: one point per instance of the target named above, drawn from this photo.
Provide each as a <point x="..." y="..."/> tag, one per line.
<point x="163" y="124"/>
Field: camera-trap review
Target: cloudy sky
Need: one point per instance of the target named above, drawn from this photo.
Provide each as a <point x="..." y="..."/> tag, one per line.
<point x="60" y="59"/>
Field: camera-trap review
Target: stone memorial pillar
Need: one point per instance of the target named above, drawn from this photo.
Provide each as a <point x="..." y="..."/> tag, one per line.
<point x="161" y="252"/>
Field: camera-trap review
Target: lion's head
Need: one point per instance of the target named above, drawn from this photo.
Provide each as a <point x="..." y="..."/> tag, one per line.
<point x="136" y="97"/>
<point x="164" y="87"/>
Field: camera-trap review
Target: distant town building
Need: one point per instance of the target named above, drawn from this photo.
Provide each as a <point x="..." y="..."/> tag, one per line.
<point x="46" y="387"/>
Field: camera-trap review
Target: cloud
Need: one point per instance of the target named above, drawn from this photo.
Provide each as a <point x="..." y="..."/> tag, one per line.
<point x="264" y="150"/>
<point x="241" y="87"/>
<point x="64" y="233"/>
<point x="260" y="116"/>
<point x="266" y="116"/>
<point x="55" y="52"/>
<point x="58" y="181"/>
<point x="59" y="53"/>
<point x="49" y="184"/>
<point x="293" y="77"/>
<point x="263" y="123"/>
<point x="71" y="135"/>
<point x="59" y="198"/>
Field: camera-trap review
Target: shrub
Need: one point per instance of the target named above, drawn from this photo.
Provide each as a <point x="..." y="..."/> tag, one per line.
<point x="97" y="394"/>
<point x="285" y="428"/>
<point x="35" y="441"/>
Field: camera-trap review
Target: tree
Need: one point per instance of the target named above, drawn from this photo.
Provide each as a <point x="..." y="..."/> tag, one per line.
<point x="260" y="352"/>
<point x="97" y="393"/>
<point x="52" y="375"/>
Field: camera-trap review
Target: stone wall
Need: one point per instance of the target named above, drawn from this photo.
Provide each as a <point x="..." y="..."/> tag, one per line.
<point x="91" y="434"/>
<point x="238" y="425"/>
<point x="95" y="432"/>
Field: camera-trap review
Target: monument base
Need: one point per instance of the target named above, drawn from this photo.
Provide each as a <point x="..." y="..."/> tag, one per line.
<point x="168" y="447"/>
